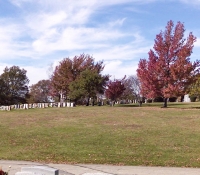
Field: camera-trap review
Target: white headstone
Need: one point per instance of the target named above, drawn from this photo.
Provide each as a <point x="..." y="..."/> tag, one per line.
<point x="8" y="108"/>
<point x="186" y="98"/>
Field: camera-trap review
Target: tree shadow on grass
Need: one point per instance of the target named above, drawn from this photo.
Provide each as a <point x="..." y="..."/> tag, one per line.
<point x="170" y="105"/>
<point x="195" y="107"/>
<point x="126" y="105"/>
<point x="184" y="105"/>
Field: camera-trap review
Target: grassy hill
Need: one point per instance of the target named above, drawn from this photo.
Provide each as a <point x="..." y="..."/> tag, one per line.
<point x="120" y="135"/>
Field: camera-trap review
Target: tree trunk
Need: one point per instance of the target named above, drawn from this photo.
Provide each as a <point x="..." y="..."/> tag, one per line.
<point x="112" y="103"/>
<point x="93" y="102"/>
<point x="88" y="102"/>
<point x="165" y="103"/>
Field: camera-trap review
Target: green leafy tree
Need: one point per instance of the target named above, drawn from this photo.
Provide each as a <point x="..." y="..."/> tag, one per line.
<point x="40" y="92"/>
<point x="16" y="83"/>
<point x="3" y="92"/>
<point x="89" y="83"/>
<point x="194" y="89"/>
<point x="69" y="70"/>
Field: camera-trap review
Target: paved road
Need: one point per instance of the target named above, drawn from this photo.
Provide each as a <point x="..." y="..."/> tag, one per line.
<point x="87" y="169"/>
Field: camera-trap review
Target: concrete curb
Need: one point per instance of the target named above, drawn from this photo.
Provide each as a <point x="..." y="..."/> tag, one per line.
<point x="90" y="169"/>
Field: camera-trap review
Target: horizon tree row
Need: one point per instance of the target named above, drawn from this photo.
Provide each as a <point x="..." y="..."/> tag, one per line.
<point x="79" y="79"/>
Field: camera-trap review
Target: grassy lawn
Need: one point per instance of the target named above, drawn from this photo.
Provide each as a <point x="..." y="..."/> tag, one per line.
<point x="120" y="135"/>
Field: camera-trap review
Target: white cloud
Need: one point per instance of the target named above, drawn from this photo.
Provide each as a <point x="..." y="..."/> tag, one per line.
<point x="197" y="43"/>
<point x="72" y="38"/>
<point x="80" y="3"/>
<point x="19" y="2"/>
<point x="62" y="25"/>
<point x="122" y="53"/>
<point x="118" y="70"/>
<point x="2" y="67"/>
<point x="118" y="22"/>
<point x="10" y="46"/>
<point x="43" y="21"/>
<point x="36" y="74"/>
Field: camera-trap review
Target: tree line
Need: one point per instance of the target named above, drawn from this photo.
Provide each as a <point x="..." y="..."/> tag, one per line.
<point x="78" y="80"/>
<point x="167" y="72"/>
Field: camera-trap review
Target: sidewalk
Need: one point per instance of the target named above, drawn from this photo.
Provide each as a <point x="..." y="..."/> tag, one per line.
<point x="83" y="169"/>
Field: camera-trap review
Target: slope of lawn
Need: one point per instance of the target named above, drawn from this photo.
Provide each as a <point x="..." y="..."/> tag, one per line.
<point x="120" y="135"/>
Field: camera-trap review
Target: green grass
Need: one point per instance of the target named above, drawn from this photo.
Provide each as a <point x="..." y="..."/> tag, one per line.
<point x="120" y="135"/>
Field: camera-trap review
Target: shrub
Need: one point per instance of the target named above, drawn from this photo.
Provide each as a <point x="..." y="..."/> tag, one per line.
<point x="172" y="99"/>
<point x="193" y="98"/>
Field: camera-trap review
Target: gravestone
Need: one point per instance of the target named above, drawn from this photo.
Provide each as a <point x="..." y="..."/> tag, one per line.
<point x="68" y="104"/>
<point x="186" y="98"/>
<point x="39" y="105"/>
<point x="46" y="105"/>
<point x="33" y="105"/>
<point x="21" y="106"/>
<point x="38" y="170"/>
<point x="25" y="106"/>
<point x="8" y="108"/>
<point x="30" y="106"/>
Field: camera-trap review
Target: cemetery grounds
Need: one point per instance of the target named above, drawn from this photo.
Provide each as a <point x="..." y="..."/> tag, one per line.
<point x="119" y="135"/>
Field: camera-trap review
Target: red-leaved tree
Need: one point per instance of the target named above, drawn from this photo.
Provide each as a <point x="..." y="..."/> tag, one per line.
<point x="69" y="70"/>
<point x="168" y="71"/>
<point x="114" y="89"/>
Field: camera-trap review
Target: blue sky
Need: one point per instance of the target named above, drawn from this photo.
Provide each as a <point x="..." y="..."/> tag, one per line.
<point x="37" y="33"/>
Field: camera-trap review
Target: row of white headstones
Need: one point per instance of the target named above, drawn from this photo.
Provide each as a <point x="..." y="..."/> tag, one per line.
<point x="36" y="105"/>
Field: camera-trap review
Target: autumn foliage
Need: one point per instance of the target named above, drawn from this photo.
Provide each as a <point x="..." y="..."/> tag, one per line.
<point x="69" y="70"/>
<point x="168" y="71"/>
<point x="114" y="89"/>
